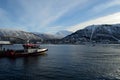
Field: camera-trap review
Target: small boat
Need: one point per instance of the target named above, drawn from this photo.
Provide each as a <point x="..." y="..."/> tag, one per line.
<point x="33" y="49"/>
<point x="29" y="50"/>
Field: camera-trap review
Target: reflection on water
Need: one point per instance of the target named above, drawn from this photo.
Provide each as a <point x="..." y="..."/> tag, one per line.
<point x="65" y="62"/>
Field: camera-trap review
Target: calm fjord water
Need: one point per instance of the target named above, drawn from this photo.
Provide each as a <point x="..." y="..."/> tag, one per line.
<point x="65" y="62"/>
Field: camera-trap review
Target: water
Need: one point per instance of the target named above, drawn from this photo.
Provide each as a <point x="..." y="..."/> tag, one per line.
<point x="65" y="62"/>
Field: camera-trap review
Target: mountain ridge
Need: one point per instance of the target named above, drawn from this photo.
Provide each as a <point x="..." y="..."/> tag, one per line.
<point x="97" y="33"/>
<point x="9" y="33"/>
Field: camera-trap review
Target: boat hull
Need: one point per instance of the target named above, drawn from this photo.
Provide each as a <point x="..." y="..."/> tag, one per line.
<point x="23" y="53"/>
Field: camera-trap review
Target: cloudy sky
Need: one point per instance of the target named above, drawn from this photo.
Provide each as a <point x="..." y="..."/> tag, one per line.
<point x="50" y="16"/>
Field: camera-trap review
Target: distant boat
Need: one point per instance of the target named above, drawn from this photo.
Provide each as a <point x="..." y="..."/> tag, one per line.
<point x="29" y="50"/>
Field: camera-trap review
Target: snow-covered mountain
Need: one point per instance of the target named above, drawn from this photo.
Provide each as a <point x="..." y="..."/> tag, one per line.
<point x="63" y="33"/>
<point x="7" y="33"/>
<point x="46" y="36"/>
<point x="58" y="35"/>
<point x="97" y="33"/>
<point x="18" y="34"/>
